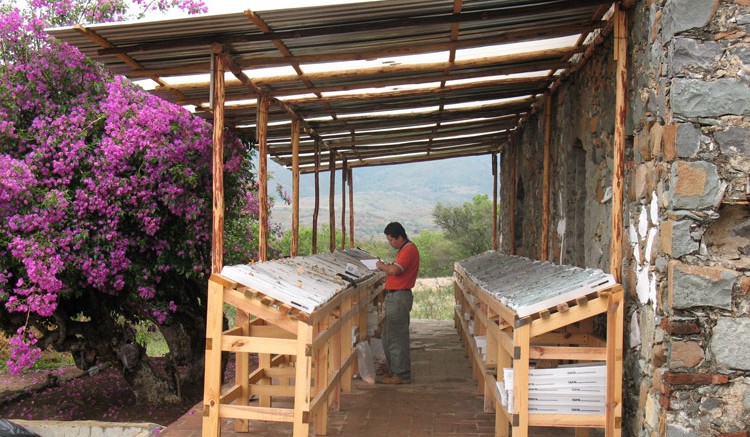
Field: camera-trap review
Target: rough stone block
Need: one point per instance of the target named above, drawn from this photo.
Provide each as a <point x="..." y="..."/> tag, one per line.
<point x="730" y="343"/>
<point x="735" y="140"/>
<point x="695" y="185"/>
<point x="681" y="15"/>
<point x="655" y="139"/>
<point x="676" y="240"/>
<point x="675" y="430"/>
<point x="669" y="142"/>
<point x="693" y="286"/>
<point x="685" y="354"/>
<point x="688" y="54"/>
<point x="645" y="178"/>
<point x="687" y="140"/>
<point x="680" y="327"/>
<point x="698" y="98"/>
<point x="673" y="378"/>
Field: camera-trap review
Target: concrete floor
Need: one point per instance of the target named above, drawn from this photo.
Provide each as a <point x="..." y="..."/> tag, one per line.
<point x="442" y="400"/>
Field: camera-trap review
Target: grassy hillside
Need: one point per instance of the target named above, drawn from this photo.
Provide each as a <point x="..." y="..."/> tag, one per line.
<point x="407" y="193"/>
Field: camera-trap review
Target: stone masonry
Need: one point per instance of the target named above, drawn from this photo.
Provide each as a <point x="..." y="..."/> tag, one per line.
<point x="686" y="266"/>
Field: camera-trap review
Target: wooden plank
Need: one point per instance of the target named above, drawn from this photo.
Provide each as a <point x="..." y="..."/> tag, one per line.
<point x="261" y="345"/>
<point x="567" y="420"/>
<point x="521" y="337"/>
<point x="320" y="400"/>
<point x="348" y="306"/>
<point x="268" y="331"/>
<point x="272" y="390"/>
<point x="558" y="320"/>
<point x="568" y="353"/>
<point x="615" y="333"/>
<point x="212" y="375"/>
<point x="242" y="367"/>
<point x="256" y="413"/>
<point x="230" y="395"/>
<point x="303" y="377"/>
<point x="257" y="309"/>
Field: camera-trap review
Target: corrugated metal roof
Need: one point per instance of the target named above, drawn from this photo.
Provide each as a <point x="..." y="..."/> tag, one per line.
<point x="464" y="63"/>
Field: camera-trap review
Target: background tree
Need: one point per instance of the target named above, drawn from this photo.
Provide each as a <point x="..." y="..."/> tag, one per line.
<point x="105" y="206"/>
<point x="468" y="226"/>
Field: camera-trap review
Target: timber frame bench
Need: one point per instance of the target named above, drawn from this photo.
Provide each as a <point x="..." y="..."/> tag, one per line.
<point x="301" y="316"/>
<point x="516" y="313"/>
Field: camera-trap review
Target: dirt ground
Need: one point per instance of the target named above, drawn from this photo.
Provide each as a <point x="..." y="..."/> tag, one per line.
<point x="70" y="394"/>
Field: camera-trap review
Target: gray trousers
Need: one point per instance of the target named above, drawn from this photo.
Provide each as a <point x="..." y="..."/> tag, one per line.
<point x="396" y="333"/>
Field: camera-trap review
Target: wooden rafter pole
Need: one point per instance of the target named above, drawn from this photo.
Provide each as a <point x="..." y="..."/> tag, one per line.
<point x="316" y="208"/>
<point x="236" y="70"/>
<point x="344" y="174"/>
<point x="618" y="160"/>
<point x="262" y="129"/>
<point x="217" y="234"/>
<point x="546" y="177"/>
<point x="351" y="206"/>
<point x="331" y="200"/>
<point x="295" y="187"/>
<point x="494" y="202"/>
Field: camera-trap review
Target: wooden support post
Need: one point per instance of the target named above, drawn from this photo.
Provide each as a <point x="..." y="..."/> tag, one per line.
<point x="316" y="209"/>
<point x="242" y="369"/>
<point x="295" y="187"/>
<point x="212" y="383"/>
<point x="302" y="380"/>
<point x="262" y="133"/>
<point x="502" y="424"/>
<point x="335" y="359"/>
<point x="264" y="362"/>
<point x="217" y="234"/>
<point x="546" y="177"/>
<point x="613" y="411"/>
<point x="521" y="339"/>
<point x="351" y="208"/>
<point x="320" y="354"/>
<point x="495" y="174"/>
<point x="344" y="174"/>
<point x="346" y="341"/>
<point x="331" y="200"/>
<point x="618" y="159"/>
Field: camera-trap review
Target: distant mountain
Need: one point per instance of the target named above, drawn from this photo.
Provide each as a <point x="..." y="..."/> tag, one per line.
<point x="405" y="192"/>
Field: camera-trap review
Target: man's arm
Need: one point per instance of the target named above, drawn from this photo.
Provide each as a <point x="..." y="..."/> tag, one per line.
<point x="390" y="269"/>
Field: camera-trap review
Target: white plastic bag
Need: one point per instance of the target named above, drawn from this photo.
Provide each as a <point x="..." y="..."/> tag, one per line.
<point x="365" y="362"/>
<point x="378" y="354"/>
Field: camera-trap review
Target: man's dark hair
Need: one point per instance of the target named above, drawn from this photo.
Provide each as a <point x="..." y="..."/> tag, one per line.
<point x="394" y="229"/>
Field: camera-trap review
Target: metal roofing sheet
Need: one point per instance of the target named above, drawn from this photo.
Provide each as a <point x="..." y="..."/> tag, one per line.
<point x="456" y="40"/>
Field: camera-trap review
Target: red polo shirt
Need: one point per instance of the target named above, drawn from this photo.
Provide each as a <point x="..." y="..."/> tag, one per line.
<point x="408" y="259"/>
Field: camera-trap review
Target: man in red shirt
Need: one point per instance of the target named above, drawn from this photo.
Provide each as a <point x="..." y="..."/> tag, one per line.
<point x="401" y="275"/>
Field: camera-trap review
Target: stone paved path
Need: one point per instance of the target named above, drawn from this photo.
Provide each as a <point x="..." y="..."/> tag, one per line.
<point x="441" y="401"/>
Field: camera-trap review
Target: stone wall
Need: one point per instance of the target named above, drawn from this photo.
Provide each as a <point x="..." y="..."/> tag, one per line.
<point x="686" y="267"/>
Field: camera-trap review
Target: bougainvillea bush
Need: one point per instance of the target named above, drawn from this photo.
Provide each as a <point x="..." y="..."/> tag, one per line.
<point x="105" y="207"/>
